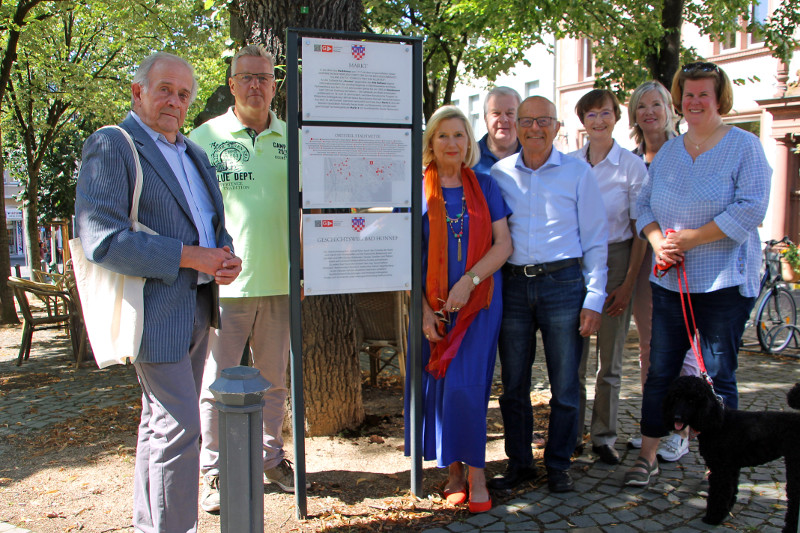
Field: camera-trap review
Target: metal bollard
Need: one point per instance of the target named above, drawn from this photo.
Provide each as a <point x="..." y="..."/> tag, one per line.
<point x="239" y="393"/>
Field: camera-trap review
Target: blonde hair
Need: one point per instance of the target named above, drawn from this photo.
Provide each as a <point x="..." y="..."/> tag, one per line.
<point x="252" y="50"/>
<point x="669" y="126"/>
<point x="722" y="84"/>
<point x="445" y="113"/>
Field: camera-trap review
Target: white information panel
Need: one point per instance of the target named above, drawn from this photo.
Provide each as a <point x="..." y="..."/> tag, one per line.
<point x="362" y="252"/>
<point x="356" y="167"/>
<point x="356" y="81"/>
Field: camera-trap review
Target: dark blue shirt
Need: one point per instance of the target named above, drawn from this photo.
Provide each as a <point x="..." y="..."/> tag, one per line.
<point x="488" y="159"/>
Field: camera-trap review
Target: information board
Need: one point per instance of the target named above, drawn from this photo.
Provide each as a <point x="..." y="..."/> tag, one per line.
<point x="356" y="167"/>
<point x="361" y="252"/>
<point x="356" y="81"/>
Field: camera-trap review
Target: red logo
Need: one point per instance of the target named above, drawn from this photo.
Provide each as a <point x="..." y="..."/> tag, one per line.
<point x="327" y="223"/>
<point x="327" y="48"/>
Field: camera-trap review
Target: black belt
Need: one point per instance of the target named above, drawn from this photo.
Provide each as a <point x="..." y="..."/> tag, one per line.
<point x="532" y="271"/>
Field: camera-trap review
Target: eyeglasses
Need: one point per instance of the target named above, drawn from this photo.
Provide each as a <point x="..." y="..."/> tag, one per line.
<point x="543" y="122"/>
<point x="701" y="66"/>
<point x="604" y="115"/>
<point x="442" y="314"/>
<point x="246" y="78"/>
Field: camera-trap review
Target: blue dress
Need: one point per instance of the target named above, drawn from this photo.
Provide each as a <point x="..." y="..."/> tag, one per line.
<point x="455" y="407"/>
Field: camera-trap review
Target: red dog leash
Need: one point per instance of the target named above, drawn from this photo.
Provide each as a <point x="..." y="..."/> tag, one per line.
<point x="694" y="340"/>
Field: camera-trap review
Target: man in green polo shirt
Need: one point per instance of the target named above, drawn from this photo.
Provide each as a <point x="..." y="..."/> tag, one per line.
<point x="248" y="147"/>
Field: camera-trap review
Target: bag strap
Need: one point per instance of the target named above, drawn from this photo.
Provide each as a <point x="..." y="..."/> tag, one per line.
<point x="137" y="188"/>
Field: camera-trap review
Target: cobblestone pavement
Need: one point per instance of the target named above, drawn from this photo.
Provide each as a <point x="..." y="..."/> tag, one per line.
<point x="675" y="501"/>
<point x="37" y="407"/>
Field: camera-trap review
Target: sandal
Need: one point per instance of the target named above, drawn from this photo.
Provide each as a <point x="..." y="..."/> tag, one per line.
<point x="640" y="473"/>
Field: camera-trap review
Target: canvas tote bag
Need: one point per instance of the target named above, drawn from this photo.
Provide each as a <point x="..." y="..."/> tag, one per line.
<point x="113" y="303"/>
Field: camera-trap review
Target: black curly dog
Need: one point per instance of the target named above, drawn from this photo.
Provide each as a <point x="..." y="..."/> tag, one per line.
<point x="731" y="439"/>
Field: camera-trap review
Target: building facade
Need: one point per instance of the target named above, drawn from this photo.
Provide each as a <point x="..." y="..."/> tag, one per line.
<point x="766" y="103"/>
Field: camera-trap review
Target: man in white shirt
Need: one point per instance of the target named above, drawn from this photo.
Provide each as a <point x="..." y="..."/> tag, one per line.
<point x="554" y="281"/>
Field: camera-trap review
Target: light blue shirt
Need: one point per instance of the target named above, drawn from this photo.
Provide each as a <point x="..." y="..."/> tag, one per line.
<point x="728" y="184"/>
<point x="192" y="185"/>
<point x="558" y="213"/>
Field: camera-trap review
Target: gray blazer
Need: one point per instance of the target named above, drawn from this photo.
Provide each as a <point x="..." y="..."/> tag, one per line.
<point x="102" y="210"/>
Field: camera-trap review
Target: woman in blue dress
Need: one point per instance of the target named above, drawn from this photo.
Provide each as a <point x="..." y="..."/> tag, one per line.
<point x="465" y="241"/>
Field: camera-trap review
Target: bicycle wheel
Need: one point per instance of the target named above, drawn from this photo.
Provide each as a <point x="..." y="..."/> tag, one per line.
<point x="776" y="309"/>
<point x="780" y="336"/>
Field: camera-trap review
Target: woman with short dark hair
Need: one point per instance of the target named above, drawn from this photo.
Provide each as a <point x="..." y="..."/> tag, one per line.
<point x="619" y="176"/>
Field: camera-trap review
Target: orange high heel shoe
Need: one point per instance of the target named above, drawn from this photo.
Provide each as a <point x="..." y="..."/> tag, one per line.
<point x="456" y="497"/>
<point x="480" y="507"/>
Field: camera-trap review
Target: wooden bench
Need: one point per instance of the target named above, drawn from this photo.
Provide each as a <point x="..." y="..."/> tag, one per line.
<point x="53" y="320"/>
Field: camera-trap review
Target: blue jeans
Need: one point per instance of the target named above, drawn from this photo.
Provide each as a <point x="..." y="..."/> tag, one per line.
<point x="720" y="317"/>
<point x="550" y="303"/>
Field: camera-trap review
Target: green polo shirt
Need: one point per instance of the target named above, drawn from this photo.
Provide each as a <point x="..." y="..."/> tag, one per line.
<point x="252" y="176"/>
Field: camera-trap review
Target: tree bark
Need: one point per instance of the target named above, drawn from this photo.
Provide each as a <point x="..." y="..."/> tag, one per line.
<point x="31" y="224"/>
<point x="664" y="61"/>
<point x="8" y="314"/>
<point x="331" y="369"/>
<point x="332" y="375"/>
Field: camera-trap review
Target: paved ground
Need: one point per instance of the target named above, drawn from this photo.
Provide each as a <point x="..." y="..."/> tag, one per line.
<point x="676" y="500"/>
<point x="600" y="504"/>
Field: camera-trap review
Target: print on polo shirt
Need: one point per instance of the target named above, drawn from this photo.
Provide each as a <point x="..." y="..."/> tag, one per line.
<point x="229" y="159"/>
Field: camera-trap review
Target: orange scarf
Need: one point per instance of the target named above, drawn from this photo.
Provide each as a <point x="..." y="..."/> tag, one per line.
<point x="480" y="240"/>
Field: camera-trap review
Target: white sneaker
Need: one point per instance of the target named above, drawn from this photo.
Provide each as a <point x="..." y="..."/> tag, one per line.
<point x="635" y="442"/>
<point x="283" y="476"/>
<point x="673" y="448"/>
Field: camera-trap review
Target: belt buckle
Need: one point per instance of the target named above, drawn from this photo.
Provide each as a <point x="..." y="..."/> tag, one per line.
<point x="538" y="270"/>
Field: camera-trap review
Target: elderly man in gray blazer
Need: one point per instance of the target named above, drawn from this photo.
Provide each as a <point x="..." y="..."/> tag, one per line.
<point x="182" y="264"/>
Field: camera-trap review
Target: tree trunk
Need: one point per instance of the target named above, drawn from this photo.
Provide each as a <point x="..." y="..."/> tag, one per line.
<point x="30" y="215"/>
<point x="332" y="376"/>
<point x="331" y="369"/>
<point x="30" y="222"/>
<point x="664" y="61"/>
<point x="8" y="313"/>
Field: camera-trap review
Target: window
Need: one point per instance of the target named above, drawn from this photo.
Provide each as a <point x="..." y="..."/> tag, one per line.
<point x="758" y="17"/>
<point x="586" y="61"/>
<point x="753" y="127"/>
<point x="531" y="88"/>
<point x="474" y="111"/>
<point x="728" y="41"/>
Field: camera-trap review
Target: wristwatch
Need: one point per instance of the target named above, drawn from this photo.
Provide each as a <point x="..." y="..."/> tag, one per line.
<point x="475" y="279"/>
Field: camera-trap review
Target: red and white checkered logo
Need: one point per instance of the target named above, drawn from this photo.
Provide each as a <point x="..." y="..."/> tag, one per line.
<point x="358" y="223"/>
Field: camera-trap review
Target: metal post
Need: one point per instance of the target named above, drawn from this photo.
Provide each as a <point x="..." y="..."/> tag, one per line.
<point x="239" y="394"/>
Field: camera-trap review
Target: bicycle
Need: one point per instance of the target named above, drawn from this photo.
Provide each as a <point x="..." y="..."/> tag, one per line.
<point x="776" y="311"/>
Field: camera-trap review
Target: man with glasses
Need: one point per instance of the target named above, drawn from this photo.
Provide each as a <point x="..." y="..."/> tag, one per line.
<point x="248" y="147"/>
<point x="500" y="115"/>
<point x="553" y="282"/>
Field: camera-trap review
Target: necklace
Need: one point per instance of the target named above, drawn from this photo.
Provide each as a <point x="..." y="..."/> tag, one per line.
<point x="458" y="219"/>
<point x="589" y="156"/>
<point x="698" y="145"/>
